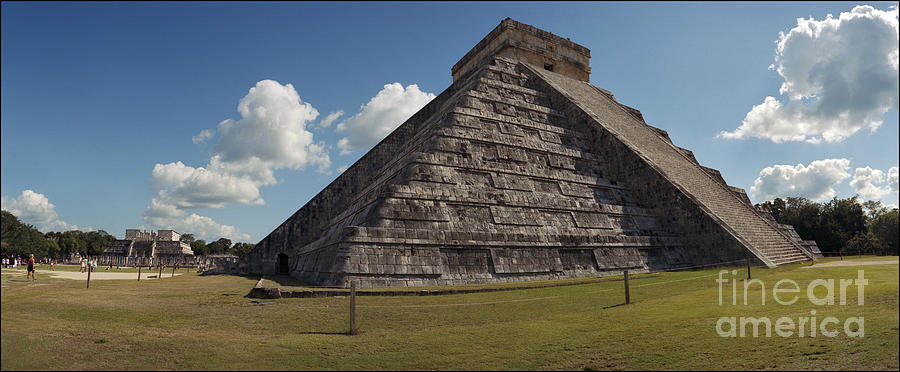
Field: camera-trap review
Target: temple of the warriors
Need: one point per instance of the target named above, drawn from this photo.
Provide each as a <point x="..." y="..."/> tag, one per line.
<point x="146" y="247"/>
<point x="521" y="170"/>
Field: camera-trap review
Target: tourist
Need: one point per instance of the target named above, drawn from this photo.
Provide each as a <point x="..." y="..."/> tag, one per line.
<point x="51" y="265"/>
<point x="4" y="262"/>
<point x="30" y="268"/>
<point x="83" y="264"/>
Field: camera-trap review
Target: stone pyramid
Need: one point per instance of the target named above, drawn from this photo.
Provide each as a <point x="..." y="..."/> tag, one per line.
<point x="520" y="170"/>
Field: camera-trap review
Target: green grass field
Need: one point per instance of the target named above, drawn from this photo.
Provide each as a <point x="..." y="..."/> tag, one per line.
<point x="204" y="322"/>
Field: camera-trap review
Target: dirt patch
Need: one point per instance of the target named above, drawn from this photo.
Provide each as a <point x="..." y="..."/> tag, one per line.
<point x="98" y="275"/>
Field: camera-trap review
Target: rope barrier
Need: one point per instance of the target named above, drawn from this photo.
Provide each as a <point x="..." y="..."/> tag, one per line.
<point x="508" y="301"/>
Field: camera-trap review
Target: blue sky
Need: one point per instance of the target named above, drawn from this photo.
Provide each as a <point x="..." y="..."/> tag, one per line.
<point x="96" y="95"/>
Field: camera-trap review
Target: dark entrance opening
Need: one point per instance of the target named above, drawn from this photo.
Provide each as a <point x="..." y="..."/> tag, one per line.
<point x="548" y="66"/>
<point x="283" y="266"/>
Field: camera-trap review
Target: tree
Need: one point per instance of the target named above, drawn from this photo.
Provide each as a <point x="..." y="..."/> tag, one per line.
<point x="70" y="242"/>
<point x="199" y="247"/>
<point x="188" y="238"/>
<point x="19" y="239"/>
<point x="801" y="213"/>
<point x="841" y="220"/>
<point x="885" y="229"/>
<point x="239" y="249"/>
<point x="95" y="241"/>
<point x="874" y="209"/>
<point x="219" y="246"/>
<point x="863" y="243"/>
<point x="775" y="207"/>
<point x="833" y="224"/>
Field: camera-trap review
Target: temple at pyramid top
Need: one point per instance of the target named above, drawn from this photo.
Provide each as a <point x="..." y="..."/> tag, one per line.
<point x="529" y="44"/>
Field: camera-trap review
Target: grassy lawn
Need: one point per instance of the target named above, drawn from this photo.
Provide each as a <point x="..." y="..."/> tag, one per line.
<point x="196" y="322"/>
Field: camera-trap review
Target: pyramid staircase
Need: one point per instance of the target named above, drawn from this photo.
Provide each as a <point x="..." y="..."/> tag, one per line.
<point x="761" y="236"/>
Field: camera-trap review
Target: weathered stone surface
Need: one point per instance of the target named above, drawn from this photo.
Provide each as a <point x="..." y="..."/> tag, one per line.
<point x="164" y="244"/>
<point x="519" y="173"/>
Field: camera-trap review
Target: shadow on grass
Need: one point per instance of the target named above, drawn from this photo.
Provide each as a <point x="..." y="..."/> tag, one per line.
<point x="327" y="333"/>
<point x="612" y="306"/>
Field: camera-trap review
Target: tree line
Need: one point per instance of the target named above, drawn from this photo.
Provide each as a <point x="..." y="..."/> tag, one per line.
<point x="840" y="226"/>
<point x="21" y="239"/>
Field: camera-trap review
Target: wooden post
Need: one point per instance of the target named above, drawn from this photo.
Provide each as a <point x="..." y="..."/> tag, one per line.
<point x="352" y="307"/>
<point x="159" y="276"/>
<point x="139" y="272"/>
<point x="173" y="271"/>
<point x="89" y="278"/>
<point x="748" y="268"/>
<point x="841" y="252"/>
<point x="627" y="291"/>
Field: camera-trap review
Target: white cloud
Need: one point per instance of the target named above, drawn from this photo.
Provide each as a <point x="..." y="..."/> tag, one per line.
<point x="203" y="135"/>
<point x="894" y="179"/>
<point x="381" y="115"/>
<point x="187" y="187"/>
<point x="165" y="217"/>
<point x="840" y="75"/>
<point x="35" y="209"/>
<point x="328" y="120"/>
<point x="272" y="130"/>
<point x="271" y="134"/>
<point x="866" y="182"/>
<point x="342" y="168"/>
<point x="814" y="182"/>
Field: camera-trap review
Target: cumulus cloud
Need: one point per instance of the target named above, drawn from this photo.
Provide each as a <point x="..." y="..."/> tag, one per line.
<point x="381" y="115"/>
<point x="187" y="187"/>
<point x="272" y="130"/>
<point x="814" y="182"/>
<point x="867" y="182"/>
<point x="328" y="120"/>
<point x="203" y="136"/>
<point x="342" y="168"/>
<point x="35" y="209"/>
<point x="270" y="135"/>
<point x="840" y="75"/>
<point x="167" y="217"/>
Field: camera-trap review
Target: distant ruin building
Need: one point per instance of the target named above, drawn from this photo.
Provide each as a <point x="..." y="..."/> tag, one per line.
<point x="144" y="246"/>
<point x="521" y="170"/>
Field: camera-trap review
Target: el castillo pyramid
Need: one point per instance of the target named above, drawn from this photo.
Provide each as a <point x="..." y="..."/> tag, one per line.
<point x="521" y="170"/>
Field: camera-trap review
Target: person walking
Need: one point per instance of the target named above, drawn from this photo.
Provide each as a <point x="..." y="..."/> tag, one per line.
<point x="30" y="268"/>
<point x="83" y="264"/>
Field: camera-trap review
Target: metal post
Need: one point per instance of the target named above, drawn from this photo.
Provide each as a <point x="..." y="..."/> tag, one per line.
<point x="173" y="271"/>
<point x="748" y="268"/>
<point x="352" y="307"/>
<point x="139" y="272"/>
<point x="89" y="278"/>
<point x="627" y="291"/>
<point x="159" y="276"/>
